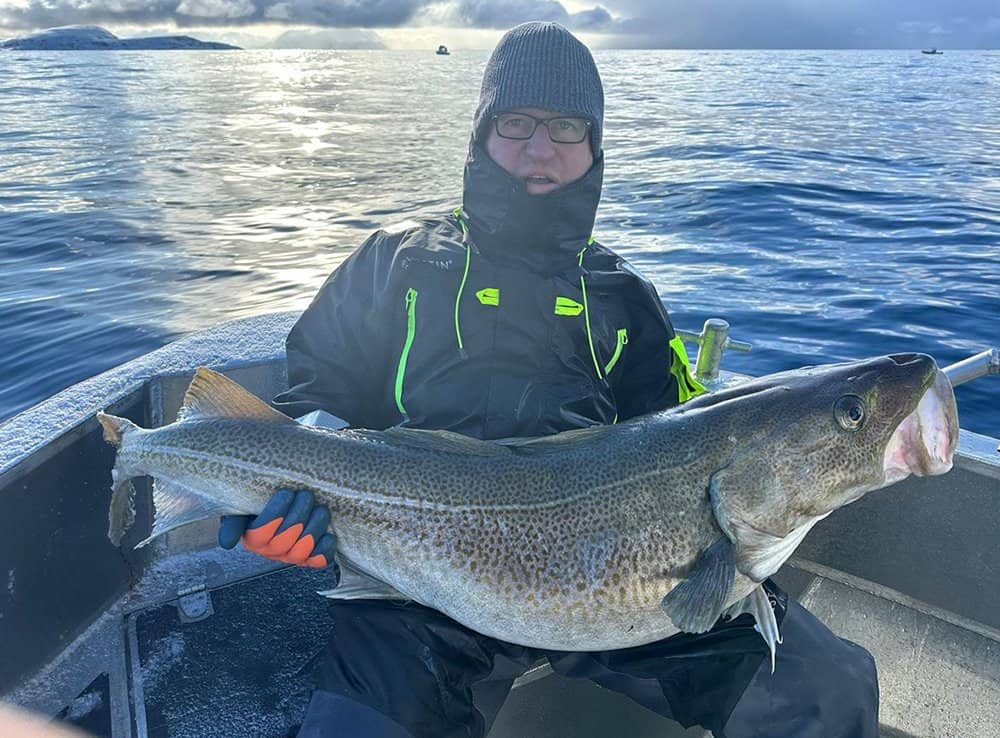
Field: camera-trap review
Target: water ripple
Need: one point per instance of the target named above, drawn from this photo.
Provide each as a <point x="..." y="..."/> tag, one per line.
<point x="829" y="205"/>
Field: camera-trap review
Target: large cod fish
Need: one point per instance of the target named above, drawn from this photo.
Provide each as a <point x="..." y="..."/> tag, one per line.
<point x="593" y="539"/>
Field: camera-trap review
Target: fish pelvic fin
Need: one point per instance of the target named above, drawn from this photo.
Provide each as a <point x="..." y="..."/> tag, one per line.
<point x="698" y="601"/>
<point x="757" y="604"/>
<point x="213" y="395"/>
<point x="355" y="585"/>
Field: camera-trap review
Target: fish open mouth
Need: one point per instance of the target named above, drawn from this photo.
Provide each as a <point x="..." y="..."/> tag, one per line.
<point x="924" y="443"/>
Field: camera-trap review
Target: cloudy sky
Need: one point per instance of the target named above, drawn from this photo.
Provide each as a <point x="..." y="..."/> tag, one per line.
<point x="880" y="24"/>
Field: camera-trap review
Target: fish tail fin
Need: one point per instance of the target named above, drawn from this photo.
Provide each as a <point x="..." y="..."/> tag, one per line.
<point x="115" y="428"/>
<point x="174" y="504"/>
<point x="121" y="515"/>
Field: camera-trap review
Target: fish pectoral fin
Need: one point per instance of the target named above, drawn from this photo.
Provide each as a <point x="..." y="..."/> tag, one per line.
<point x="696" y="603"/>
<point x="355" y="585"/>
<point x="757" y="604"/>
<point x="214" y="395"/>
<point x="175" y="505"/>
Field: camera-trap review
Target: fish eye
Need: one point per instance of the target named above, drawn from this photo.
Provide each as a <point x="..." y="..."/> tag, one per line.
<point x="850" y="412"/>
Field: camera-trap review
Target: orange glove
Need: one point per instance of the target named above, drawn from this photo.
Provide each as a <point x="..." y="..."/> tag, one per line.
<point x="291" y="528"/>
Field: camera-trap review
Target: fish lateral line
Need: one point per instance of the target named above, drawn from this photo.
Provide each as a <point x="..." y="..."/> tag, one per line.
<point x="318" y="484"/>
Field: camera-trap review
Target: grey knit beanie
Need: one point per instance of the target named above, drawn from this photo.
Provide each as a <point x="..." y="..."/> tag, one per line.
<point x="542" y="65"/>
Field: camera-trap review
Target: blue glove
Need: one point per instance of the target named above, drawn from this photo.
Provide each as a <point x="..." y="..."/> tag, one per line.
<point x="291" y="528"/>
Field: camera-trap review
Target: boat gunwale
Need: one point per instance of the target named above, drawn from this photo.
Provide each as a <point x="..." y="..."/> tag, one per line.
<point x="38" y="433"/>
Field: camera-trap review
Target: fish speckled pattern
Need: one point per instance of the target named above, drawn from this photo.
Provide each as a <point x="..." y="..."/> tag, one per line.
<point x="572" y="541"/>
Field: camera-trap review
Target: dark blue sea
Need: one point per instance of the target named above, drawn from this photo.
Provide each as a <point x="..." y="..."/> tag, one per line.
<point x="828" y="204"/>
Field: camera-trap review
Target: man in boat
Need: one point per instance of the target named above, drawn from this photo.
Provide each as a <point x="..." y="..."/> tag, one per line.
<point x="505" y="318"/>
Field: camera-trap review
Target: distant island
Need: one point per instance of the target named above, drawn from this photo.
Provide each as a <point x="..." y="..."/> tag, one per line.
<point x="95" y="38"/>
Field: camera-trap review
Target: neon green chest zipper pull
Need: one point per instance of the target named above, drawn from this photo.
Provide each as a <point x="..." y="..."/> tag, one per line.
<point x="411" y="329"/>
<point x="457" y="212"/>
<point x="619" y="345"/>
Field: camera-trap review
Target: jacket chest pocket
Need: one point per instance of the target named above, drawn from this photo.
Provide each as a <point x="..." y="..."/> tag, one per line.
<point x="598" y="354"/>
<point x="429" y="337"/>
<point x="596" y="335"/>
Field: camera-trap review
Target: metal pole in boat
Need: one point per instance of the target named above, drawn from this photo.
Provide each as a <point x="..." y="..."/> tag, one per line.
<point x="983" y="363"/>
<point x="713" y="341"/>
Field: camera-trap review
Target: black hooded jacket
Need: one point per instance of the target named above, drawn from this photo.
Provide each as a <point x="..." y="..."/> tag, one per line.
<point x="503" y="319"/>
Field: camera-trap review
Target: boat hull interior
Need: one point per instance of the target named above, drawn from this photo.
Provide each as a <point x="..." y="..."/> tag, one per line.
<point x="182" y="639"/>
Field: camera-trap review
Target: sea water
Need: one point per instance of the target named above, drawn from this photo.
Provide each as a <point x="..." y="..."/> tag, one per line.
<point x="829" y="204"/>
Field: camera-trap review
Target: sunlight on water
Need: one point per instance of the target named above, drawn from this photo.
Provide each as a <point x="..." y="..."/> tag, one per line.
<point x="829" y="205"/>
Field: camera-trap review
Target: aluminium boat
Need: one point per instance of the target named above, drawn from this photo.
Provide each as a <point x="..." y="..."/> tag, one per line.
<point x="182" y="639"/>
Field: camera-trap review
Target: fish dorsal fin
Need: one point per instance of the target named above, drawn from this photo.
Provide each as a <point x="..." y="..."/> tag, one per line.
<point x="557" y="441"/>
<point x="212" y="395"/>
<point x="442" y="440"/>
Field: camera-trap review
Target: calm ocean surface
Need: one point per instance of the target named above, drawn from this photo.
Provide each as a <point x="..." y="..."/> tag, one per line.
<point x="829" y="205"/>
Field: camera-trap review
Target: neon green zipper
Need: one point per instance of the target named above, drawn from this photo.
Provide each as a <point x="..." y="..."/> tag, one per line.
<point x="622" y="342"/>
<point x="411" y="329"/>
<point x="457" y="212"/>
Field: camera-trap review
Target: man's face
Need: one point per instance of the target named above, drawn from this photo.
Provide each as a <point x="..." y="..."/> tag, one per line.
<point x="542" y="163"/>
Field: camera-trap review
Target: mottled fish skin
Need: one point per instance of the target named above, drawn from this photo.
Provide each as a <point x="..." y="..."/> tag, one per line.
<point x="569" y="542"/>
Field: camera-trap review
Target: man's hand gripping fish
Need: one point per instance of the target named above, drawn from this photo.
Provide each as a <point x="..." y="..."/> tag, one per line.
<point x="594" y="539"/>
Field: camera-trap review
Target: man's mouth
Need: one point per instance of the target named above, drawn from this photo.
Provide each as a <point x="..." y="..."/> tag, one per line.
<point x="538" y="179"/>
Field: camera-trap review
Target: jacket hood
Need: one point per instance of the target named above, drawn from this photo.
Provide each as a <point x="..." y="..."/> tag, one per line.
<point x="504" y="218"/>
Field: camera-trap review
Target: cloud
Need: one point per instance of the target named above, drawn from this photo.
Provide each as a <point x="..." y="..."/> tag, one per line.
<point x="596" y="19"/>
<point x="214" y="9"/>
<point x="922" y="28"/>
<point x="802" y="23"/>
<point x="493" y="14"/>
<point x="342" y="13"/>
<point x="324" y="13"/>
<point x="486" y="14"/>
<point x="629" y="23"/>
<point x="328" y="38"/>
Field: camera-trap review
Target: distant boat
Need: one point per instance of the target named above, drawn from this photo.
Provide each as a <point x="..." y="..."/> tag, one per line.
<point x="932" y="51"/>
<point x="443" y="50"/>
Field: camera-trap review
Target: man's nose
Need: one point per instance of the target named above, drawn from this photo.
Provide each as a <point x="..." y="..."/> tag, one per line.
<point x="540" y="145"/>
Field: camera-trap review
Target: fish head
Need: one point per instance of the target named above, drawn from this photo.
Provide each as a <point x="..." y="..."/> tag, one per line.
<point x="810" y="441"/>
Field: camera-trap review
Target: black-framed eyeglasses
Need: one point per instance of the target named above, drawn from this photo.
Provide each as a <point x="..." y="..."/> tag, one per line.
<point x="521" y="126"/>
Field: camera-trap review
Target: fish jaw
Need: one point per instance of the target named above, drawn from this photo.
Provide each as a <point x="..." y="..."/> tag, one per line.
<point x="924" y="442"/>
